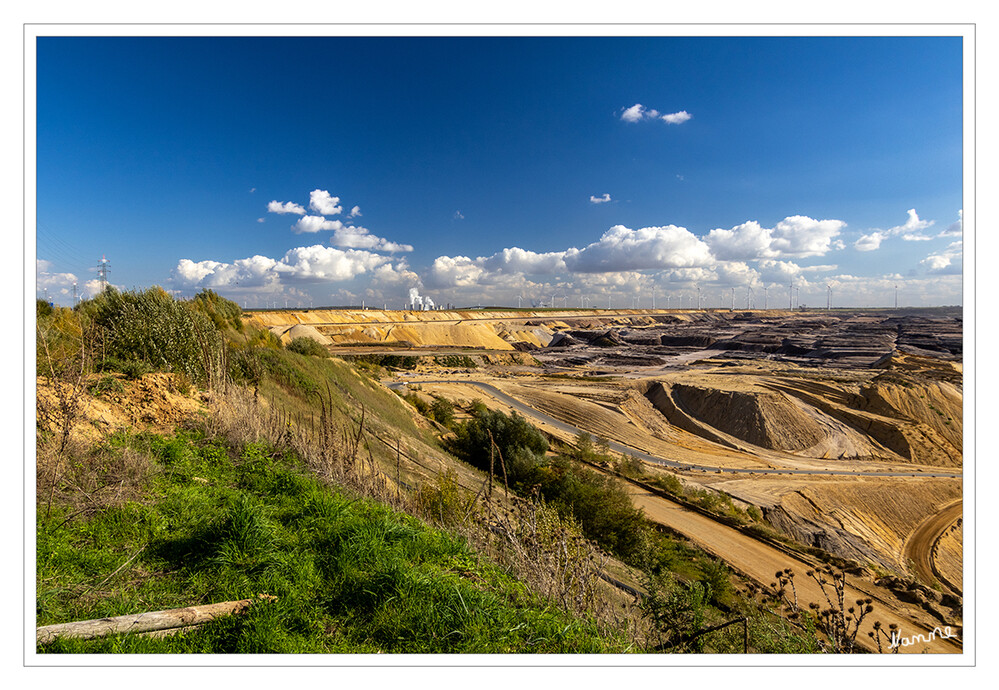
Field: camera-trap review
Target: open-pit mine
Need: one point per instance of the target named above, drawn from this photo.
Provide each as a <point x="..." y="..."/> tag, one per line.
<point x="842" y="427"/>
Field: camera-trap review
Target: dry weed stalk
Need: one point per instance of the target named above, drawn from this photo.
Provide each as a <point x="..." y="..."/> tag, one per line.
<point x="838" y="621"/>
<point x="67" y="376"/>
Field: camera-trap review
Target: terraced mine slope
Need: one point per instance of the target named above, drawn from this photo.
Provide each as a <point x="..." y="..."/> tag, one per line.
<point x="845" y="428"/>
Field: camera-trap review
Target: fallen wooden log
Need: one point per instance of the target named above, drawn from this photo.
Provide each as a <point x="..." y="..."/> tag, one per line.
<point x="144" y="622"/>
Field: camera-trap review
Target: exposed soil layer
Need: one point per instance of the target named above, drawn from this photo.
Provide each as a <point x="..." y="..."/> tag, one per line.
<point x="109" y="402"/>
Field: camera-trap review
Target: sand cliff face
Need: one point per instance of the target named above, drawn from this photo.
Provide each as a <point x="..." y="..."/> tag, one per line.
<point x="762" y="418"/>
<point x="906" y="419"/>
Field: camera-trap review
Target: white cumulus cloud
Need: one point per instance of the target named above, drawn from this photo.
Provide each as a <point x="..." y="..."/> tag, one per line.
<point x="454" y="271"/>
<point x="948" y="261"/>
<point x="323" y="203"/>
<point x="912" y="226"/>
<point x="286" y="207"/>
<point x="870" y="242"/>
<point x="634" y="113"/>
<point x="327" y="263"/>
<point x="311" y="224"/>
<point x="260" y="273"/>
<point x="517" y="260"/>
<point x="801" y="236"/>
<point x="639" y="112"/>
<point x="793" y="237"/>
<point x="955" y="229"/>
<point x="624" y="249"/>
<point x="910" y="231"/>
<point x="361" y="238"/>
<point x="677" y="118"/>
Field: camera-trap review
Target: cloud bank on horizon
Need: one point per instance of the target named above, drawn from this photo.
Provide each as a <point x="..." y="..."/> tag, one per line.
<point x="619" y="265"/>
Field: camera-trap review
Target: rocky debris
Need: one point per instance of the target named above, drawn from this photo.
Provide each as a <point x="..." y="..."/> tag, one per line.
<point x="947" y="608"/>
<point x="300" y="331"/>
<point x="842" y="340"/>
<point x="563" y="340"/>
<point x="937" y="337"/>
<point x="823" y="536"/>
<point x="111" y="402"/>
<point x="608" y="339"/>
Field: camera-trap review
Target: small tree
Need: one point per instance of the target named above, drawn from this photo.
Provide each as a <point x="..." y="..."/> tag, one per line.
<point x="442" y="412"/>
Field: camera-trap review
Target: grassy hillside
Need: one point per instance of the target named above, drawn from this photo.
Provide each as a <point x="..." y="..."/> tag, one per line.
<point x="304" y="479"/>
<point x="350" y="575"/>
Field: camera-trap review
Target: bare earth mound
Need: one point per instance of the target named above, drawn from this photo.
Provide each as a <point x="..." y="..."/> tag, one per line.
<point x="765" y="419"/>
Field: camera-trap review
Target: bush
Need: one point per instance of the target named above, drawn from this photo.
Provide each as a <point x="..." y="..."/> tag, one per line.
<point x="307" y="346"/>
<point x="444" y="501"/>
<point x="419" y="403"/>
<point x="600" y="505"/>
<point x="715" y="576"/>
<point x="442" y="412"/>
<point x="521" y="445"/>
<point x="154" y="328"/>
<point x="676" y="611"/>
<point x="455" y="361"/>
<point x="223" y="313"/>
<point x="43" y="309"/>
<point x="105" y="384"/>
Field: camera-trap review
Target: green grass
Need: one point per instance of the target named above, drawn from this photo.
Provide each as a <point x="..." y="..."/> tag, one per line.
<point x="350" y="575"/>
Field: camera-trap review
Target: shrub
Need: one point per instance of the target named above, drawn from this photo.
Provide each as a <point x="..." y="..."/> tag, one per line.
<point x="307" y="346"/>
<point x="520" y="444"/>
<point x="223" y="313"/>
<point x="455" y="361"/>
<point x="444" y="501"/>
<point x="62" y="342"/>
<point x="715" y="577"/>
<point x="105" y="384"/>
<point x="43" y="309"/>
<point x="153" y="327"/>
<point x="601" y="506"/>
<point x="419" y="403"/>
<point x="676" y="611"/>
<point x="442" y="412"/>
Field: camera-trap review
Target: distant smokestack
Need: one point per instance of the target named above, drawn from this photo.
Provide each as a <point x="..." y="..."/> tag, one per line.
<point x="415" y="301"/>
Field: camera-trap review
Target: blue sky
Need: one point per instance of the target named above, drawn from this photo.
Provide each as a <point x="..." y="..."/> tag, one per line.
<point x="331" y="171"/>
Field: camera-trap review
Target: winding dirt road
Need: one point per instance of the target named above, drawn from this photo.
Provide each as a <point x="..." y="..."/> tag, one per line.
<point x="921" y="543"/>
<point x="760" y="562"/>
